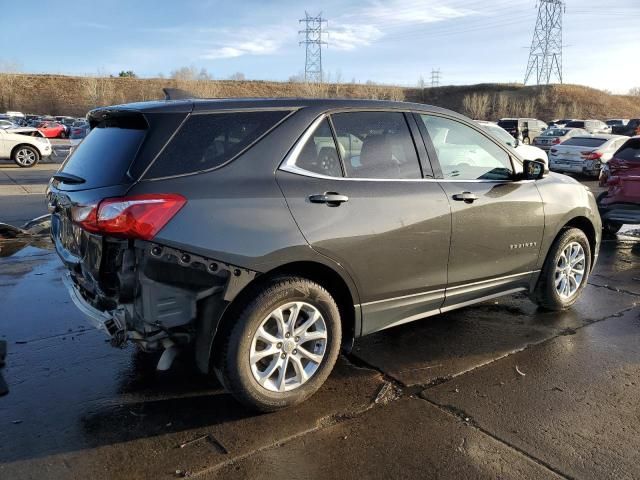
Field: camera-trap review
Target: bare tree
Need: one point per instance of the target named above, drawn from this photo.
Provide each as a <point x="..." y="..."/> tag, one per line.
<point x="635" y="91"/>
<point x="97" y="90"/>
<point x="238" y="77"/>
<point x="8" y="84"/>
<point x="476" y="105"/>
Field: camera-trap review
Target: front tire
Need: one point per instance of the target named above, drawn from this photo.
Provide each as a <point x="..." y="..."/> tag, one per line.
<point x="25" y="156"/>
<point x="282" y="347"/>
<point x="565" y="271"/>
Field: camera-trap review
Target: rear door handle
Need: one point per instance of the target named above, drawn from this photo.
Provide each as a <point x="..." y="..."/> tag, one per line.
<point x="466" y="197"/>
<point x="331" y="199"/>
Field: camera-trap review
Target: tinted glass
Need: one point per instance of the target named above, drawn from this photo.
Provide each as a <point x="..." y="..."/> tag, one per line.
<point x="319" y="153"/>
<point x="464" y="153"/>
<point x="103" y="158"/>
<point x="508" y="123"/>
<point x="585" y="142"/>
<point x="208" y="141"/>
<point x="376" y="145"/>
<point x="630" y="151"/>
<point x="575" y="125"/>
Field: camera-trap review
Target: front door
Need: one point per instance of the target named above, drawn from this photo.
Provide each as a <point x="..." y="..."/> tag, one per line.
<point x="497" y="222"/>
<point x="363" y="202"/>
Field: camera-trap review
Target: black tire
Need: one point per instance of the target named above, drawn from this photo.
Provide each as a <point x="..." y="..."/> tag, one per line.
<point x="545" y="293"/>
<point x="611" y="228"/>
<point x="25" y="156"/>
<point x="231" y="362"/>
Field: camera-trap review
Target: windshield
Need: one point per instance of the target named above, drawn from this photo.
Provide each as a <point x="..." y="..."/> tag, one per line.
<point x="614" y="122"/>
<point x="500" y="134"/>
<point x="508" y="123"/>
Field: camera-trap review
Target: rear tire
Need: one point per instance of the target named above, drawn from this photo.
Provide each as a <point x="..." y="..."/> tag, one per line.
<point x="25" y="156"/>
<point x="611" y="228"/>
<point x="265" y="361"/>
<point x="559" y="285"/>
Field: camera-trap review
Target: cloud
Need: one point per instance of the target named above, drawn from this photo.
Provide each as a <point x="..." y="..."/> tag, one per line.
<point x="371" y="22"/>
<point x="238" y="48"/>
<point x="351" y="36"/>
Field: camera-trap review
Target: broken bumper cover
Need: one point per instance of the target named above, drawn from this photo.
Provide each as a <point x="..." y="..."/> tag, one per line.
<point x="110" y="324"/>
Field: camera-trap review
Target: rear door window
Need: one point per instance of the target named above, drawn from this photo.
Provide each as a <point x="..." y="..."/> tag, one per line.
<point x="319" y="154"/>
<point x="376" y="145"/>
<point x="207" y="141"/>
<point x="630" y="151"/>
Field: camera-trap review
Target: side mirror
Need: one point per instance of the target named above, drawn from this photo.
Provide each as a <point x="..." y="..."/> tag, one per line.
<point x="533" y="170"/>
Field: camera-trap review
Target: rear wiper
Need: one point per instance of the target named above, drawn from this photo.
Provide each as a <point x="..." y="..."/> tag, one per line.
<point x="68" y="178"/>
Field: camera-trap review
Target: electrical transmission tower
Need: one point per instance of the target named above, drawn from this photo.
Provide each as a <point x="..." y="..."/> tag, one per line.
<point x="545" y="56"/>
<point x="313" y="40"/>
<point x="435" y="77"/>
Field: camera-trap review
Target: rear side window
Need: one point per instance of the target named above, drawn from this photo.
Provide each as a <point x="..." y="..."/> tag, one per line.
<point x="376" y="145"/>
<point x="207" y="141"/>
<point x="103" y="158"/>
<point x="630" y="151"/>
<point x="585" y="142"/>
<point x="319" y="154"/>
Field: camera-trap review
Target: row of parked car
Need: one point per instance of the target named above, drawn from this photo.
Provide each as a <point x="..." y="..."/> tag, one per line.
<point x="50" y="126"/>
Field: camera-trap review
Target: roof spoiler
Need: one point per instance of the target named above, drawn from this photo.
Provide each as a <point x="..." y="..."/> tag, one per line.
<point x="177" y="94"/>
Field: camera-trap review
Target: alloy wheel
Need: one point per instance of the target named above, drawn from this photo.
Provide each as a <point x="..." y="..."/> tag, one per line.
<point x="288" y="347"/>
<point x="25" y="157"/>
<point x="570" y="270"/>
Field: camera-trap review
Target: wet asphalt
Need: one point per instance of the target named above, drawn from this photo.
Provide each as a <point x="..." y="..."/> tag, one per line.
<point x="497" y="390"/>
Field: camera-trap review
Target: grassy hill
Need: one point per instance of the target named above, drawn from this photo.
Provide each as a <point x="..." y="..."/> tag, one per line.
<point x="65" y="95"/>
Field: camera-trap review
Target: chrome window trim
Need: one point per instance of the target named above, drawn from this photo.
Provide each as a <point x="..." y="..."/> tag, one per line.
<point x="289" y="163"/>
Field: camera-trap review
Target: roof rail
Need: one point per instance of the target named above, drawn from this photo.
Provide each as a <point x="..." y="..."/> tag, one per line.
<point x="177" y="94"/>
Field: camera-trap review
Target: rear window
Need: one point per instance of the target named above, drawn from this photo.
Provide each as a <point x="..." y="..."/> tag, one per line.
<point x="555" y="132"/>
<point x="575" y="125"/>
<point x="508" y="123"/>
<point x="207" y="141"/>
<point x="585" y="142"/>
<point x="629" y="151"/>
<point x="103" y="158"/>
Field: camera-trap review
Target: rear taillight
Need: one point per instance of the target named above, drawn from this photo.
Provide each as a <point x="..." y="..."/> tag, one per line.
<point x="591" y="155"/>
<point x="137" y="216"/>
<point x="556" y="141"/>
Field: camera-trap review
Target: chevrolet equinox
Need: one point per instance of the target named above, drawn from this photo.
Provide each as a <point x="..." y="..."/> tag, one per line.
<point x="264" y="235"/>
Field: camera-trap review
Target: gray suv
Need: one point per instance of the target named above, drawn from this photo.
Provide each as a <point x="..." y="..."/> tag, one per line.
<point x="265" y="235"/>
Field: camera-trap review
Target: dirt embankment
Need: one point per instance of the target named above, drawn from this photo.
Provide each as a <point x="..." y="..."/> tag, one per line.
<point x="64" y="95"/>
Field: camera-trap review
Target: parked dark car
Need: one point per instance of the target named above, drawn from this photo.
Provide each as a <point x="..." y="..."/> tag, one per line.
<point x="524" y="129"/>
<point x="620" y="204"/>
<point x="631" y="129"/>
<point x="269" y="233"/>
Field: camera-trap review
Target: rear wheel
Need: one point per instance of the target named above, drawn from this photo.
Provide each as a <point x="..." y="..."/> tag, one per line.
<point x="25" y="156"/>
<point x="611" y="228"/>
<point x="282" y="347"/>
<point x="565" y="271"/>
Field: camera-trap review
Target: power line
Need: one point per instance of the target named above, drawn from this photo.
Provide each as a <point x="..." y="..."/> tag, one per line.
<point x="313" y="41"/>
<point x="545" y="55"/>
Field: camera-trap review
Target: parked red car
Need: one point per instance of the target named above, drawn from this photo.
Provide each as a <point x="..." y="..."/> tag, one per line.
<point x="620" y="204"/>
<point x="52" y="130"/>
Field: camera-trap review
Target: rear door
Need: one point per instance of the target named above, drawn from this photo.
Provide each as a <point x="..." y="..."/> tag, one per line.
<point x="497" y="222"/>
<point x="361" y="196"/>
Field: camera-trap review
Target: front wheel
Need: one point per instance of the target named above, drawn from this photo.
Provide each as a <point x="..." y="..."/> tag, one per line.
<point x="26" y="156"/>
<point x="282" y="347"/>
<point x="565" y="271"/>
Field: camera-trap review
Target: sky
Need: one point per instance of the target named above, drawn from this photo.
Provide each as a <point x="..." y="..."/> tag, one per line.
<point x="391" y="41"/>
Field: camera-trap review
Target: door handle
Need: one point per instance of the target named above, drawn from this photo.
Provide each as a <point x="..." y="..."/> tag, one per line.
<point x="331" y="199"/>
<point x="466" y="197"/>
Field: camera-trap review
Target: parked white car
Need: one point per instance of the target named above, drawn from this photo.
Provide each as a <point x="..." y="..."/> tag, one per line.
<point x="25" y="146"/>
<point x="526" y="152"/>
<point x="584" y="154"/>
<point x="592" y="126"/>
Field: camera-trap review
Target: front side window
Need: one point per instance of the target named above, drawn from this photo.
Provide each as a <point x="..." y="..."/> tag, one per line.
<point x="376" y="145"/>
<point x="466" y="154"/>
<point x="208" y="141"/>
<point x="319" y="154"/>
